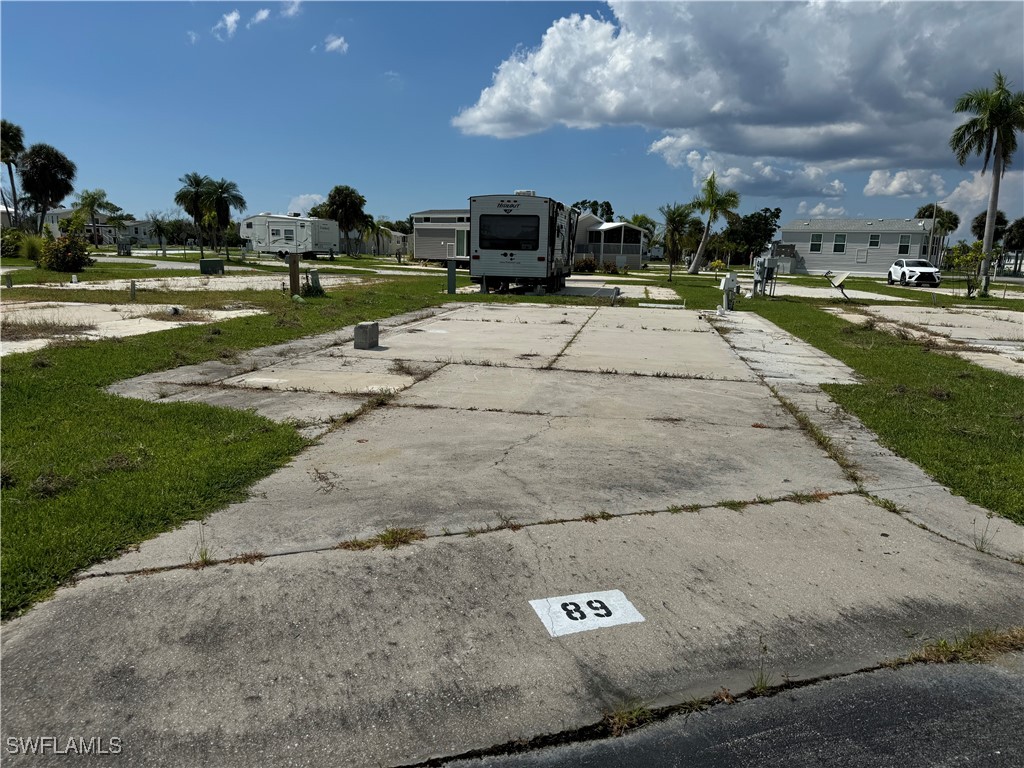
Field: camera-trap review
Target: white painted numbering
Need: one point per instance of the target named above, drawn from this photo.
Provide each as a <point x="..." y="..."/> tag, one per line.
<point x="590" y="610"/>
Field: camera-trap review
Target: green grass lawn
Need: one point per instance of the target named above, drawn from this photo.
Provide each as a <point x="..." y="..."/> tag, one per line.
<point x="961" y="423"/>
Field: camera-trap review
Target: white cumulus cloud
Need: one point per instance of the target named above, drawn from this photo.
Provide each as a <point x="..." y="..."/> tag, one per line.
<point x="227" y="25"/>
<point x="335" y="44"/>
<point x="258" y="18"/>
<point x="290" y="8"/>
<point x="193" y="38"/>
<point x="770" y="91"/>
<point x="912" y="183"/>
<point x="820" y="211"/>
<point x="302" y="203"/>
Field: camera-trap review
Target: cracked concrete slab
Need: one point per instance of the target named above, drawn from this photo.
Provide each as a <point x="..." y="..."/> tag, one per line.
<point x="392" y="468"/>
<point x="389" y="657"/>
<point x="394" y="657"/>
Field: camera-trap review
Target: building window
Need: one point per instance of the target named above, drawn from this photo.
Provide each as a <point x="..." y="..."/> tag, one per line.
<point x="904" y="245"/>
<point x="248" y="225"/>
<point x="815" y="243"/>
<point x="839" y="244"/>
<point x="874" y="240"/>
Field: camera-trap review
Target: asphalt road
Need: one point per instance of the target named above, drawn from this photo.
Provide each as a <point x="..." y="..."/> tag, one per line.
<point x="913" y="717"/>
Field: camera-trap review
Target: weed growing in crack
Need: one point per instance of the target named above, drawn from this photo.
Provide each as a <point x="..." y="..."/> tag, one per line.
<point x="675" y="509"/>
<point x="982" y="539"/>
<point x="508" y="523"/>
<point x="627" y="718"/>
<point x="592" y="517"/>
<point x="392" y="538"/>
<point x="814" y="497"/>
<point x="202" y="555"/>
<point x="762" y="680"/>
<point x="733" y="504"/>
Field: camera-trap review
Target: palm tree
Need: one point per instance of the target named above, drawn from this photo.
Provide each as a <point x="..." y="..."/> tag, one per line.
<point x="946" y="222"/>
<point x="47" y="176"/>
<point x="992" y="133"/>
<point x="12" y="144"/>
<point x="714" y="202"/>
<point x="190" y="198"/>
<point x="374" y="230"/>
<point x="220" y="197"/>
<point x="345" y="205"/>
<point x="91" y="202"/>
<point x="681" y="231"/>
<point x="159" y="226"/>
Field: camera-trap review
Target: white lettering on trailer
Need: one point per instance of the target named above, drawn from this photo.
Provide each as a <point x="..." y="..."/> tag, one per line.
<point x="569" y="614"/>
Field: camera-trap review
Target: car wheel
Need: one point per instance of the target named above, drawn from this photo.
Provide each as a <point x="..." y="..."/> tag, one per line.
<point x="903" y="278"/>
<point x="888" y="279"/>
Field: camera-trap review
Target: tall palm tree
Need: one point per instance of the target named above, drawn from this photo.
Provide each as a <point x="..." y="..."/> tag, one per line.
<point x="47" y="176"/>
<point x="221" y="197"/>
<point x="992" y="133"/>
<point x="345" y="205"/>
<point x="714" y="202"/>
<point x="190" y="198"/>
<point x="681" y="231"/>
<point x="92" y="202"/>
<point x="12" y="144"/>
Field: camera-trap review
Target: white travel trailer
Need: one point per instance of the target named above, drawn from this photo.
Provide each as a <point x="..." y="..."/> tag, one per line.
<point x="520" y="238"/>
<point x="283" y="234"/>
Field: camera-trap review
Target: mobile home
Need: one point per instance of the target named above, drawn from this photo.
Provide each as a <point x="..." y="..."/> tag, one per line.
<point x="283" y="234"/>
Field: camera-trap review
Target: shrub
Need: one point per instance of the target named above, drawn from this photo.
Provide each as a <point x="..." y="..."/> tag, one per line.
<point x="609" y="268"/>
<point x="10" y="241"/>
<point x="31" y="247"/>
<point x="585" y="265"/>
<point x="716" y="265"/>
<point x="68" y="253"/>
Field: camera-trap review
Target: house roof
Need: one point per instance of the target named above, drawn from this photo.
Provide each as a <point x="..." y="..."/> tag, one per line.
<point x="442" y="212"/>
<point x="859" y="225"/>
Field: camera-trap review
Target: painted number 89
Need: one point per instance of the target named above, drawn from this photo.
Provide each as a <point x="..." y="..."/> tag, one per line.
<point x="576" y="613"/>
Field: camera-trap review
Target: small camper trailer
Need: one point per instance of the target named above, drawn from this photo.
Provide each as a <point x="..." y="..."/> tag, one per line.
<point x="284" y="234"/>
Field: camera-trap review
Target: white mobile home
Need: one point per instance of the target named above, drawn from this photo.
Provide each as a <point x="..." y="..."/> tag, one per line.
<point x="283" y="234"/>
<point x="867" y="246"/>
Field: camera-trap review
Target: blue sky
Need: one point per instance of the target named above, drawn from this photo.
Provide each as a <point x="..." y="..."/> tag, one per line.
<point x="822" y="109"/>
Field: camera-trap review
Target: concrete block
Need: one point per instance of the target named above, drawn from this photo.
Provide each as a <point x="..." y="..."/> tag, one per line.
<point x="367" y="335"/>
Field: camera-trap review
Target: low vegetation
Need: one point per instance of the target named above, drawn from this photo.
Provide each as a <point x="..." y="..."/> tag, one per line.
<point x="963" y="424"/>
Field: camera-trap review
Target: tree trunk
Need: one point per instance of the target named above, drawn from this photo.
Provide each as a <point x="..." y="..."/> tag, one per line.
<point x="696" y="264"/>
<point x="15" y="212"/>
<point x="990" y="219"/>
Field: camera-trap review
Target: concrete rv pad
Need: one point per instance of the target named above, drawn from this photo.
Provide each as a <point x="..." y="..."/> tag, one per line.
<point x="539" y="465"/>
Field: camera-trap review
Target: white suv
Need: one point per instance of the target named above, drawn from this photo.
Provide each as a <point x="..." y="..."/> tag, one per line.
<point x="916" y="271"/>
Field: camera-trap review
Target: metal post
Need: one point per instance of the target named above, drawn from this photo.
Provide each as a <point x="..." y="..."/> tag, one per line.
<point x="451" y="276"/>
<point x="8" y="281"/>
<point x="131" y="290"/>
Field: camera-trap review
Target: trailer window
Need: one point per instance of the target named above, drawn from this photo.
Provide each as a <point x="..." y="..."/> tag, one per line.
<point x="275" y="232"/>
<point x="516" y="233"/>
<point x="289" y="235"/>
